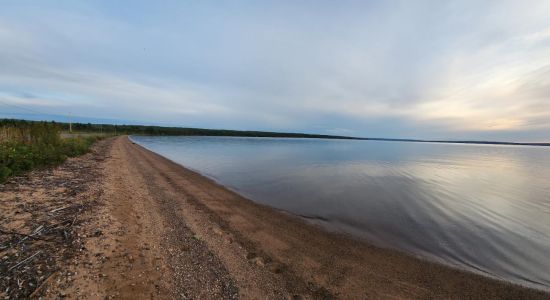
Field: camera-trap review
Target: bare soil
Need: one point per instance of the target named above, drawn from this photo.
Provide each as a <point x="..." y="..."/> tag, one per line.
<point x="123" y="222"/>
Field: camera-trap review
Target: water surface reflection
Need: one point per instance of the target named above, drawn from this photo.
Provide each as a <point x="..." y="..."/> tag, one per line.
<point x="481" y="207"/>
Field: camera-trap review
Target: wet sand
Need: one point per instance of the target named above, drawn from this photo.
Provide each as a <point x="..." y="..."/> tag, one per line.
<point x="168" y="232"/>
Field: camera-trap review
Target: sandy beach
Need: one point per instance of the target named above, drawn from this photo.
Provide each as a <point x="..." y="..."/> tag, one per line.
<point x="124" y="222"/>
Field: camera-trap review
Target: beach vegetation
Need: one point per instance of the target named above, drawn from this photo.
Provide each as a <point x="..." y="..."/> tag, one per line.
<point x="28" y="145"/>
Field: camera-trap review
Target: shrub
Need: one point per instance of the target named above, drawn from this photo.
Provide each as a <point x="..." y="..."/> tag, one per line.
<point x="32" y="145"/>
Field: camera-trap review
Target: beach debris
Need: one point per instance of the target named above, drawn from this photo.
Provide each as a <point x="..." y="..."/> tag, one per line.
<point x="39" y="229"/>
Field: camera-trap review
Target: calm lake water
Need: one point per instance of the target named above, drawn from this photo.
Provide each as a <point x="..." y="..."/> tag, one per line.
<point x="480" y="207"/>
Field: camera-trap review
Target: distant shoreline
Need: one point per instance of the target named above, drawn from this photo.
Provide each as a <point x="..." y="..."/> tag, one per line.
<point x="313" y="136"/>
<point x="189" y="131"/>
<point x="457" y="142"/>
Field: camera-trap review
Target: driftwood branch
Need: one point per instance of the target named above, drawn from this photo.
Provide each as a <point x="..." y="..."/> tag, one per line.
<point x="60" y="208"/>
<point x="25" y="260"/>
<point x="22" y="234"/>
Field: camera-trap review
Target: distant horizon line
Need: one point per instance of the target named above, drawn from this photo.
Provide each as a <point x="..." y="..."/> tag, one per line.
<point x="279" y="134"/>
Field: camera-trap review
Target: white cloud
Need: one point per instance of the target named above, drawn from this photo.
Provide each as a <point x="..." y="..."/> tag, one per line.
<point x="426" y="68"/>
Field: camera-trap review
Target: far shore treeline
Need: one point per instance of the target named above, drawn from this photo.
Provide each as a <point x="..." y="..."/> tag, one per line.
<point x="111" y="129"/>
<point x="161" y="130"/>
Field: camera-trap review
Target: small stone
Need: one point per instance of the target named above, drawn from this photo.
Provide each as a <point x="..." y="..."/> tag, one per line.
<point x="259" y="262"/>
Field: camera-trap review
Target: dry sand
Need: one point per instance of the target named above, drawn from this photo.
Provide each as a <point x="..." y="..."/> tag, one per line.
<point x="149" y="228"/>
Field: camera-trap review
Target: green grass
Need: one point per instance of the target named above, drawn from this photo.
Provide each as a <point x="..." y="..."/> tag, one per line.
<point x="24" y="147"/>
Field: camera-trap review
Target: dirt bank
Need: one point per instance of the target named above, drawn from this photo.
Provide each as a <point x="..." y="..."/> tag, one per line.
<point x="156" y="229"/>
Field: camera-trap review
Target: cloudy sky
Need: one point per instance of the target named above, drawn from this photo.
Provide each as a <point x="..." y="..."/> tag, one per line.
<point x="410" y="69"/>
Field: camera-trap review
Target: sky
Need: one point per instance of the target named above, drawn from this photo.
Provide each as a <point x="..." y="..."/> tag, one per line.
<point x="397" y="69"/>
